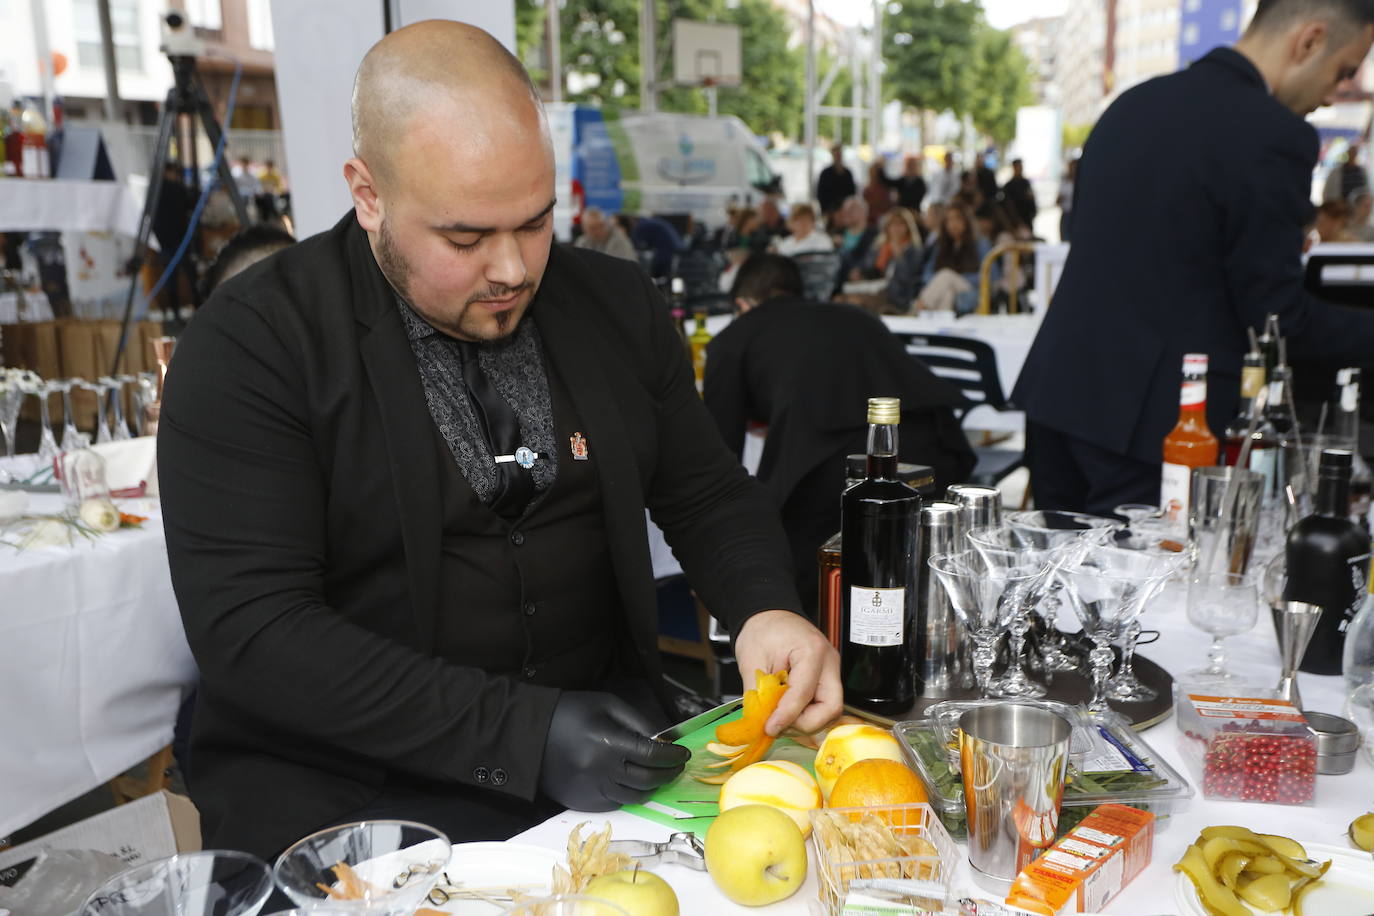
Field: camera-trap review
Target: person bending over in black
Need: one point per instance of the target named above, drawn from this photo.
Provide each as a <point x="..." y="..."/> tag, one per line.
<point x="806" y="370"/>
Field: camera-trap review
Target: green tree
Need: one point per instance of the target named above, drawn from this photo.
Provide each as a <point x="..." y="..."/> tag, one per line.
<point x="999" y="84"/>
<point x="930" y="48"/>
<point x="601" y="40"/>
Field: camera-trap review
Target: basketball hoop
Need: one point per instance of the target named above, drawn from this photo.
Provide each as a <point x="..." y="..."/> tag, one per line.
<point x="708" y="82"/>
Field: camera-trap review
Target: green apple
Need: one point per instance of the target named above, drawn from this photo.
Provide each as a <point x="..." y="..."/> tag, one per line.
<point x="756" y="855"/>
<point x="637" y="891"/>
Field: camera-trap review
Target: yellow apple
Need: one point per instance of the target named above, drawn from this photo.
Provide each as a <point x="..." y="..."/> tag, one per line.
<point x="756" y="855"/>
<point x="636" y="891"/>
<point x="848" y="744"/>
<point x="779" y="784"/>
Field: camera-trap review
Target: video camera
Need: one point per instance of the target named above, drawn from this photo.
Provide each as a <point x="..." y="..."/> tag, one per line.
<point x="178" y="37"/>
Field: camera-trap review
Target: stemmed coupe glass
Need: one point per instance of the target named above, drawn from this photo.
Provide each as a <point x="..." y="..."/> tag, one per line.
<point x="985" y="600"/>
<point x="1221" y="604"/>
<point x="1108" y="586"/>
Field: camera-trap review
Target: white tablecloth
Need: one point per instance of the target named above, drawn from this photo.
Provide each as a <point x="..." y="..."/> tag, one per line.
<point x="93" y="663"/>
<point x="1181" y="647"/>
<point x="41" y="204"/>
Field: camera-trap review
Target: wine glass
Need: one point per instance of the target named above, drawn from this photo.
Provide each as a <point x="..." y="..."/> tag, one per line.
<point x="380" y="868"/>
<point x="1054" y="529"/>
<point x="47" y="441"/>
<point x="115" y="389"/>
<point x="1003" y="552"/>
<point x="566" y="905"/>
<point x="1222" y="604"/>
<point x="984" y="600"/>
<point x="215" y="882"/>
<point x="102" y="426"/>
<point x="1108" y="586"/>
<point x="73" y="439"/>
<point x="14" y="385"/>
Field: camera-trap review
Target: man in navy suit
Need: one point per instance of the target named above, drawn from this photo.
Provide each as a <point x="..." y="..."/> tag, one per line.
<point x="1193" y="191"/>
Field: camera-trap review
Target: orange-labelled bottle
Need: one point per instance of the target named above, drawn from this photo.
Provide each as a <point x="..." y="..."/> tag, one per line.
<point x="1190" y="444"/>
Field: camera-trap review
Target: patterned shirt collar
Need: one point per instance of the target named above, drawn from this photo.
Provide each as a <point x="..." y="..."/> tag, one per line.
<point x="416" y="327"/>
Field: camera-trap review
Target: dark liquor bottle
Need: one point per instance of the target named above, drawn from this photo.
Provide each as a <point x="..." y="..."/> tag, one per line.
<point x="1251" y="381"/>
<point x="880" y="525"/>
<point x="1327" y="559"/>
<point x="1345" y="426"/>
<point x="1271" y="344"/>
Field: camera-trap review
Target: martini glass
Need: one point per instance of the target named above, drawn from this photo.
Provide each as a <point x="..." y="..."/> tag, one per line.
<point x="985" y="600"/>
<point x="1050" y="529"/>
<point x="1124" y="685"/>
<point x="215" y="882"/>
<point x="378" y="868"/>
<point x="1108" y="586"/>
<point x="1004" y="553"/>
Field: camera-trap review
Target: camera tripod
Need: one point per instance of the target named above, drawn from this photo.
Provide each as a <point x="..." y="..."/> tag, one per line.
<point x="186" y="97"/>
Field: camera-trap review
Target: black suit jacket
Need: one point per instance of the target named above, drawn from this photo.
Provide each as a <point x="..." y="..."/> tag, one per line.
<point x="300" y="481"/>
<point x="1191" y="199"/>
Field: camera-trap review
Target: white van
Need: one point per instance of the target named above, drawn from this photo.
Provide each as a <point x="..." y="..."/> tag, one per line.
<point x="655" y="163"/>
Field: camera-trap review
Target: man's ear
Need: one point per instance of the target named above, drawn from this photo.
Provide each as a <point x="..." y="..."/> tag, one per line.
<point x="362" y="185"/>
<point x="1309" y="42"/>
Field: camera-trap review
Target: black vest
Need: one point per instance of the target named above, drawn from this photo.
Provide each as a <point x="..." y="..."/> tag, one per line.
<point x="532" y="598"/>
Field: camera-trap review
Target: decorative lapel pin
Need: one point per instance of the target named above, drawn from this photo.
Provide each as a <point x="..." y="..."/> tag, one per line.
<point x="579" y="447"/>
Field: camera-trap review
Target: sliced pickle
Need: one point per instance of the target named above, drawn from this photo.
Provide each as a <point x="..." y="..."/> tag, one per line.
<point x="1265" y="865"/>
<point x="1216" y="899"/>
<point x="1229" y="869"/>
<point x="1270" y="893"/>
<point x="1282" y="845"/>
<point x="1218" y="846"/>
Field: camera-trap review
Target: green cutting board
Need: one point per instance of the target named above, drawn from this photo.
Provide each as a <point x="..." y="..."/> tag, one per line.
<point x="689" y="806"/>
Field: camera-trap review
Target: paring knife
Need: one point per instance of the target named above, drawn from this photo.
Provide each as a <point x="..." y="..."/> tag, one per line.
<point x="699" y="721"/>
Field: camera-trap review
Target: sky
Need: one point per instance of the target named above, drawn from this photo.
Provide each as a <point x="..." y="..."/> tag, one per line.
<point x="1001" y="14"/>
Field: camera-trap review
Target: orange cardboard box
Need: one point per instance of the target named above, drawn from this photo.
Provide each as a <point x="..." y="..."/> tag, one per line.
<point x="1089" y="865"/>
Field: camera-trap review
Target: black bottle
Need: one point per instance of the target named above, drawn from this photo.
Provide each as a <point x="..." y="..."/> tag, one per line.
<point x="1327" y="559"/>
<point x="879" y="528"/>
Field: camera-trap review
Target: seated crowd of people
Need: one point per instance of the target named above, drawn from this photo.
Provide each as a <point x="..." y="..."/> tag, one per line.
<point x="897" y="247"/>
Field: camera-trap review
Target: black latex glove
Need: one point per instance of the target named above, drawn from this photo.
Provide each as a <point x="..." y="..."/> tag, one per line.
<point x="598" y="754"/>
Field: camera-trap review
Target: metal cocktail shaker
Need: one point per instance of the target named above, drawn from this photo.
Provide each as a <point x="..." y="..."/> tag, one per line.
<point x="982" y="505"/>
<point x="1013" y="758"/>
<point x="981" y="508"/>
<point x="937" y="629"/>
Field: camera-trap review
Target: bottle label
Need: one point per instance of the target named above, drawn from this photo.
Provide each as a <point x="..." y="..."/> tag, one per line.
<point x="877" y="616"/>
<point x="1276" y="393"/>
<point x="1265" y="461"/>
<point x="1175" y="486"/>
<point x="1350" y="398"/>
<point x="1193" y="393"/>
<point x="1251" y="381"/>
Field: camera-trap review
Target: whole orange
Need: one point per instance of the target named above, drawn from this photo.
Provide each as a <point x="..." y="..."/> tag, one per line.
<point x="877" y="782"/>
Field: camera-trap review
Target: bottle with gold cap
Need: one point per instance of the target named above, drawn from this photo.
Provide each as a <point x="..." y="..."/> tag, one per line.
<point x="879" y="527"/>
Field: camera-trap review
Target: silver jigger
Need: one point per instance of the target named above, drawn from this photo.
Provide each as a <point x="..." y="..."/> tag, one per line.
<point x="1294" y="622"/>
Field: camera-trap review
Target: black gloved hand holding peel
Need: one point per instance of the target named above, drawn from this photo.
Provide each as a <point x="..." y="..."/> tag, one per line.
<point x="598" y="754"/>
